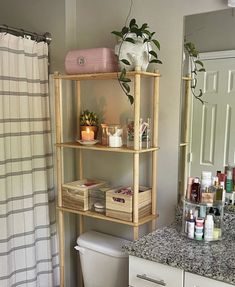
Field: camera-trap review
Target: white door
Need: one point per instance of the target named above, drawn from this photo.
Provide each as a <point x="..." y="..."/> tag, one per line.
<point x="213" y="124"/>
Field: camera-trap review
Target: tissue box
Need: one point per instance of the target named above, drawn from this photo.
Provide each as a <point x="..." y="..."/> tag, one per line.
<point x="99" y="60"/>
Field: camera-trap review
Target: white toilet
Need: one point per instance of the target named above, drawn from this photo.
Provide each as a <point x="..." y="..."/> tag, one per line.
<point x="103" y="263"/>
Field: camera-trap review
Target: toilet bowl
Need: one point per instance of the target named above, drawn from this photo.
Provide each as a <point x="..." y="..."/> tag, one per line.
<point x="102" y="261"/>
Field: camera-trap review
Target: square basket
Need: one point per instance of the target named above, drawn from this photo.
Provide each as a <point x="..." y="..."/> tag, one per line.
<point x="119" y="203"/>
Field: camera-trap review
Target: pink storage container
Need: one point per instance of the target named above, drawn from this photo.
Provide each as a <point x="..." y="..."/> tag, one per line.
<point x="98" y="60"/>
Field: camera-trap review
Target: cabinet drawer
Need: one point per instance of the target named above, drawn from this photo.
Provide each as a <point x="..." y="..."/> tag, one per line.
<point x="145" y="273"/>
<point x="193" y="280"/>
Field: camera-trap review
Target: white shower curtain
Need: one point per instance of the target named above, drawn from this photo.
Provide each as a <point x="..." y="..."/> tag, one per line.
<point x="28" y="245"/>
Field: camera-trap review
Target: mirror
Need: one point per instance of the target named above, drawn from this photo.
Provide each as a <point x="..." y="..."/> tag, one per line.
<point x="208" y="131"/>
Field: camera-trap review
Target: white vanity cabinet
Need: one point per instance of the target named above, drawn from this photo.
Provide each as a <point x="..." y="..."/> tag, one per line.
<point x="193" y="280"/>
<point x="145" y="273"/>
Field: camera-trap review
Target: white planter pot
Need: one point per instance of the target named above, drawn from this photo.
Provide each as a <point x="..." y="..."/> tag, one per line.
<point x="137" y="54"/>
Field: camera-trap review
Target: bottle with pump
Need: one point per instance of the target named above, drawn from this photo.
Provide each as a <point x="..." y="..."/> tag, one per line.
<point x="190" y="225"/>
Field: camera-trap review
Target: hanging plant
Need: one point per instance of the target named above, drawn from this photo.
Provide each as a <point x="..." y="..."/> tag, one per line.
<point x="139" y="39"/>
<point x="196" y="66"/>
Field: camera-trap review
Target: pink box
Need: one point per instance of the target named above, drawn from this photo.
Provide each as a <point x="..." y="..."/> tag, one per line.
<point x="98" y="60"/>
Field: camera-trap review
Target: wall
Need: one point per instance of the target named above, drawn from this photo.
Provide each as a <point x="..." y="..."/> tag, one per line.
<point x="96" y="20"/>
<point x="87" y="23"/>
<point x="216" y="24"/>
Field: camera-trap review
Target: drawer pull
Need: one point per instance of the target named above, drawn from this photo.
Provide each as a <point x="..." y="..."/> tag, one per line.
<point x="145" y="277"/>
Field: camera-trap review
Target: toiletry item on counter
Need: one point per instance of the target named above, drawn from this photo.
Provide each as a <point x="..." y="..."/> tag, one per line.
<point x="229" y="179"/>
<point x="207" y="196"/>
<point x="195" y="191"/>
<point x="190" y="225"/>
<point x="209" y="228"/>
<point x="189" y="187"/>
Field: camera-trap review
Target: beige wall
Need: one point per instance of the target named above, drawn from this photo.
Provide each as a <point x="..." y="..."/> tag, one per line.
<point x="96" y="20"/>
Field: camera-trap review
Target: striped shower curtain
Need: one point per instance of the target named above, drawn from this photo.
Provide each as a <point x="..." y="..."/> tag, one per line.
<point x="28" y="246"/>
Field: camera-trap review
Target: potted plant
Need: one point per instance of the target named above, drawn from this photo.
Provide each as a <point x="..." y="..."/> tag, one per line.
<point x="89" y="121"/>
<point x="195" y="66"/>
<point x="135" y="49"/>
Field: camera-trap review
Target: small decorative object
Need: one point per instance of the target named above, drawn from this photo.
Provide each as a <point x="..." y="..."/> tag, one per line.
<point x="88" y="125"/>
<point x="144" y="133"/>
<point x="104" y="135"/>
<point x="87" y="135"/>
<point x="134" y="51"/>
<point x="114" y="136"/>
<point x="96" y="60"/>
<point x="196" y="66"/>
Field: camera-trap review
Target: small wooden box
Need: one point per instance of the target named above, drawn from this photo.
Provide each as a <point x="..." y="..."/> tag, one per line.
<point x="75" y="194"/>
<point x="120" y="205"/>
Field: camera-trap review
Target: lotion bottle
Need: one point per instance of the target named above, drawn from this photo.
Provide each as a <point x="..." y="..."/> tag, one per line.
<point x="209" y="228"/>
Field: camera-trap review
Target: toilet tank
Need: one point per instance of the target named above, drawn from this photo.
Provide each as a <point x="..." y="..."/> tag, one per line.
<point x="102" y="261"/>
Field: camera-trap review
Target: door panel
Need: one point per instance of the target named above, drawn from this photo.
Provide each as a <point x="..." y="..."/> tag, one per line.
<point x="213" y="124"/>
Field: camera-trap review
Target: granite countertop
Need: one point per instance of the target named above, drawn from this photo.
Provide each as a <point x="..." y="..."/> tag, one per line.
<point x="169" y="246"/>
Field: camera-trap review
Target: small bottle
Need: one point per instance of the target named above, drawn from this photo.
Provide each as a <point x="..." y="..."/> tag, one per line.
<point x="104" y="135"/>
<point x="195" y="191"/>
<point x="189" y="187"/>
<point x="229" y="180"/>
<point x="209" y="228"/>
<point x="190" y="225"/>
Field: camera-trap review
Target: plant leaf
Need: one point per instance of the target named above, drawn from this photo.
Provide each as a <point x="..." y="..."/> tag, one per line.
<point x="126" y="87"/>
<point x="123" y="74"/>
<point x="130" y="40"/>
<point x="153" y="53"/>
<point x="202" y="70"/>
<point x="155" y="61"/>
<point x="125" y="30"/>
<point x="126" y="80"/>
<point x="131" y="99"/>
<point x="144" y="26"/>
<point x="199" y="63"/>
<point x="126" y="62"/>
<point x="116" y="33"/>
<point x="132" y="22"/>
<point x="156" y="43"/>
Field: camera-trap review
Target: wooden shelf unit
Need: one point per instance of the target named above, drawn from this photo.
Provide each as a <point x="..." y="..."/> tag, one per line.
<point x="135" y="152"/>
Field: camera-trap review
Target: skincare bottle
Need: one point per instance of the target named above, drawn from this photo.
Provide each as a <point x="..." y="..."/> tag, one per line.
<point x="229" y="180"/>
<point x="195" y="191"/>
<point x="209" y="228"/>
<point x="190" y="225"/>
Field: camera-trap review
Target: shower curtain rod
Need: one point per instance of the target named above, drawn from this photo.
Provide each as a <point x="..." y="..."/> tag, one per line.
<point x="24" y="33"/>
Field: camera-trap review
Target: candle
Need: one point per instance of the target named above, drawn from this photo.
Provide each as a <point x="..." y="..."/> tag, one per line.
<point x="87" y="135"/>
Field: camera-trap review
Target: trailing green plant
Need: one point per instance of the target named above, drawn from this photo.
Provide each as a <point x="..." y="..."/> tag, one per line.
<point x="196" y="66"/>
<point x="140" y="32"/>
<point x="88" y="118"/>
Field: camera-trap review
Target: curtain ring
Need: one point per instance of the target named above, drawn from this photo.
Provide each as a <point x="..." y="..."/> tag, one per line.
<point x="23" y="33"/>
<point x="7" y="28"/>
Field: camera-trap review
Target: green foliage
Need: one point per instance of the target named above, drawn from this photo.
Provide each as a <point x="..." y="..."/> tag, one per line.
<point x="196" y="66"/>
<point x="147" y="36"/>
<point x="88" y="119"/>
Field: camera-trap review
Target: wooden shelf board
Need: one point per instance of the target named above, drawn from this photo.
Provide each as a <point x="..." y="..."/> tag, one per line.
<point x="103" y="217"/>
<point x="99" y="147"/>
<point x="103" y="76"/>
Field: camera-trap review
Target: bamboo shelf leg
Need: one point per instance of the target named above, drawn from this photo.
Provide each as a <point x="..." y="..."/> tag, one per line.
<point x="136" y="155"/>
<point x="61" y="247"/>
<point x="155" y="113"/>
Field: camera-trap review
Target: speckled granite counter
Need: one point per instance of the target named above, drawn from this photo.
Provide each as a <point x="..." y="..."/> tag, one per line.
<point x="215" y="260"/>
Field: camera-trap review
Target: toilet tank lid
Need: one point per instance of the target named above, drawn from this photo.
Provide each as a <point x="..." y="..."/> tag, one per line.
<point x="103" y="243"/>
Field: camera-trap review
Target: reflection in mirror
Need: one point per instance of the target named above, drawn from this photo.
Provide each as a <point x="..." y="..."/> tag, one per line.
<point x="208" y="131"/>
